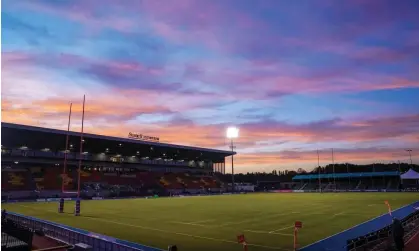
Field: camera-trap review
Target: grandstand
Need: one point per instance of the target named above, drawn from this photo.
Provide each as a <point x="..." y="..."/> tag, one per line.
<point x="362" y="181"/>
<point x="33" y="159"/>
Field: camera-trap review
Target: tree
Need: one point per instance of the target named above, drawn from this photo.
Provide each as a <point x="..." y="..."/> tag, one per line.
<point x="300" y="171"/>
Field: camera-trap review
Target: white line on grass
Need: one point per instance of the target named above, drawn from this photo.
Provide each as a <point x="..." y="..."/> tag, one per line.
<point x="264" y="232"/>
<point x="169" y="232"/>
<point x="201" y="221"/>
<point x="339" y="214"/>
<point x="284" y="228"/>
<point x="192" y="224"/>
<point x="254" y="219"/>
<point x="189" y="235"/>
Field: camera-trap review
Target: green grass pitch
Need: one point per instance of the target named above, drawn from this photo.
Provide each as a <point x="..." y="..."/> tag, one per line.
<point x="213" y="222"/>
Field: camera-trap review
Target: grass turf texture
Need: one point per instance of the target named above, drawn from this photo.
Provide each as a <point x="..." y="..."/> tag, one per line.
<point x="213" y="222"/>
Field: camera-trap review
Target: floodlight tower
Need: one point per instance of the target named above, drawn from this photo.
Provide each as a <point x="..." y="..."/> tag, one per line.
<point x="410" y="155"/>
<point x="318" y="165"/>
<point x="232" y="133"/>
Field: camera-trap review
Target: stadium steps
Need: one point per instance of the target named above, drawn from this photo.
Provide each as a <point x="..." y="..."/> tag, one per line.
<point x="304" y="185"/>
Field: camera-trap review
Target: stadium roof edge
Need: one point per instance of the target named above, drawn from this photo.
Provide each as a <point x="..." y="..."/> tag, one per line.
<point x="112" y="138"/>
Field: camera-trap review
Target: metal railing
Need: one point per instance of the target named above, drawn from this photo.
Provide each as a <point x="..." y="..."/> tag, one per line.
<point x="74" y="236"/>
<point x="382" y="238"/>
<point x="15" y="236"/>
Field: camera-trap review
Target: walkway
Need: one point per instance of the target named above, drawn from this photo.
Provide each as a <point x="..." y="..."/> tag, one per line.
<point x="413" y="243"/>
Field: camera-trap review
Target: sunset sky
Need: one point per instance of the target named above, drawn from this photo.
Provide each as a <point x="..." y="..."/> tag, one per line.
<point x="294" y="76"/>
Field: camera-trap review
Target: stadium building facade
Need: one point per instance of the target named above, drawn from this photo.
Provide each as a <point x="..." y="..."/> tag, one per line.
<point x="33" y="158"/>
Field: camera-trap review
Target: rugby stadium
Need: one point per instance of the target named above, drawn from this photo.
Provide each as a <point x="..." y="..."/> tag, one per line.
<point x="136" y="193"/>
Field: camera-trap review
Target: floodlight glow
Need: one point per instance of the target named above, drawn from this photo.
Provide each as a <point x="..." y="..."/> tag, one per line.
<point x="232" y="132"/>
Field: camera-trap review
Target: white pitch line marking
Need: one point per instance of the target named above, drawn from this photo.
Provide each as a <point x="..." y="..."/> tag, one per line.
<point x="284" y="228"/>
<point x="264" y="232"/>
<point x="202" y="221"/>
<point x="170" y="232"/>
<point x="338" y="214"/>
<point x="251" y="220"/>
<point x="190" y="223"/>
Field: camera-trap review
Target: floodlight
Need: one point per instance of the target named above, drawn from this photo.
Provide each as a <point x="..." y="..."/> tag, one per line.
<point x="232" y="132"/>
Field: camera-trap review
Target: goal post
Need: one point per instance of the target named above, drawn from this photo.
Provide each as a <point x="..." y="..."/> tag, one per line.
<point x="63" y="190"/>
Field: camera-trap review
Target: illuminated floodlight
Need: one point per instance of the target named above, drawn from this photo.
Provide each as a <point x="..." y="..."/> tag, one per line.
<point x="232" y="132"/>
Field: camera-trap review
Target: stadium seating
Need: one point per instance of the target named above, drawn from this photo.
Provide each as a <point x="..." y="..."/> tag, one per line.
<point x="18" y="179"/>
<point x="147" y="179"/>
<point x="47" y="182"/>
<point x="53" y="179"/>
<point x="171" y="181"/>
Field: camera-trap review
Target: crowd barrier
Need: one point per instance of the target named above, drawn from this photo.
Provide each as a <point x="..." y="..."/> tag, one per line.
<point x="338" y="242"/>
<point x="74" y="236"/>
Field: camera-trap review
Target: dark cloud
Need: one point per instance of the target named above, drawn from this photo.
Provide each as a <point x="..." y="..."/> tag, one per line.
<point x="337" y="129"/>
